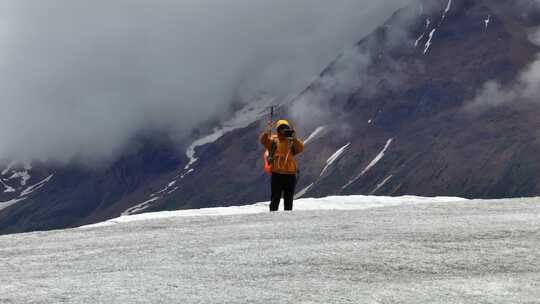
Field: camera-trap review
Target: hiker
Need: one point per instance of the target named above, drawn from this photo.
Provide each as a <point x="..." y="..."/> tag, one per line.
<point x="282" y="148"/>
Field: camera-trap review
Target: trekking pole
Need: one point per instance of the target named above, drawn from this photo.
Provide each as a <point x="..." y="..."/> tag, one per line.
<point x="271" y="121"/>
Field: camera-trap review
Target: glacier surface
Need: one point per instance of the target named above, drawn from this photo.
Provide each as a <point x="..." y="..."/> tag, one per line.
<point x="331" y="250"/>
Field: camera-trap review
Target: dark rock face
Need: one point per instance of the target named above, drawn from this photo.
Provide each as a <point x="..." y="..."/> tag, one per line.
<point x="395" y="105"/>
<point x="75" y="196"/>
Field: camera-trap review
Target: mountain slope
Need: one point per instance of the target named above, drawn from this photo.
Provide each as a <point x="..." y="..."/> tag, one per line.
<point x="72" y="196"/>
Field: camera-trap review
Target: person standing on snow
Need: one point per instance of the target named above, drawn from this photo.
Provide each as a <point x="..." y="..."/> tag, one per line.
<point x="282" y="147"/>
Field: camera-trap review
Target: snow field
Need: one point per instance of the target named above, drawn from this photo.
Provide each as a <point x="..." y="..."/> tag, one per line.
<point x="432" y="252"/>
<point x="352" y="202"/>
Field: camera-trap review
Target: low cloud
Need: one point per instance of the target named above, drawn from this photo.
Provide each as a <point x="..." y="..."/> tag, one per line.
<point x="79" y="79"/>
<point x="322" y="103"/>
<point x="526" y="88"/>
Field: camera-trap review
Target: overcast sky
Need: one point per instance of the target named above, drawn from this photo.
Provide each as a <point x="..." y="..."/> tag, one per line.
<point x="80" y="78"/>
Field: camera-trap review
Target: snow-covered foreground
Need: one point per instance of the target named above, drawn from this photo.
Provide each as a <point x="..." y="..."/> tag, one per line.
<point x="383" y="251"/>
<point x="353" y="202"/>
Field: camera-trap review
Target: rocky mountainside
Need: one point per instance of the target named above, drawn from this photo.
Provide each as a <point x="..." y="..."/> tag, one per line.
<point x="396" y="114"/>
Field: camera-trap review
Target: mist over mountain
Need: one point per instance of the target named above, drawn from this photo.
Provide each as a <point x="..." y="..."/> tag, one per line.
<point x="80" y="80"/>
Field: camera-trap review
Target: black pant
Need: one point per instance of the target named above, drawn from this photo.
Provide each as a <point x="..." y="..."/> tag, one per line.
<point x="282" y="184"/>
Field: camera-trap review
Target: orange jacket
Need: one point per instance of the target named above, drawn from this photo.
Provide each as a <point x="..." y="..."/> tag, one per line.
<point x="282" y="163"/>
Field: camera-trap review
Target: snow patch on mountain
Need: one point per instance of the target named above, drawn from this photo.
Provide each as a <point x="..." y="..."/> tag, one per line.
<point x="23" y="175"/>
<point x="428" y="43"/>
<point x="379" y="186"/>
<point x="186" y="173"/>
<point x="173" y="190"/>
<point x="140" y="207"/>
<point x="447" y="9"/>
<point x="17" y="170"/>
<point x="303" y="191"/>
<point x="36" y="186"/>
<point x="421" y="37"/>
<point x="7" y="188"/>
<point x="314" y="134"/>
<point x="378" y="157"/>
<point x="166" y="189"/>
<point x="9" y="166"/>
<point x="4" y="205"/>
<point x="241" y="119"/>
<point x="334" y="157"/>
<point x="487" y="21"/>
<point x="371" y="164"/>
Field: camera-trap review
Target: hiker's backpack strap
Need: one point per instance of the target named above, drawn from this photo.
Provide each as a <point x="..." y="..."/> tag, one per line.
<point x="272" y="151"/>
